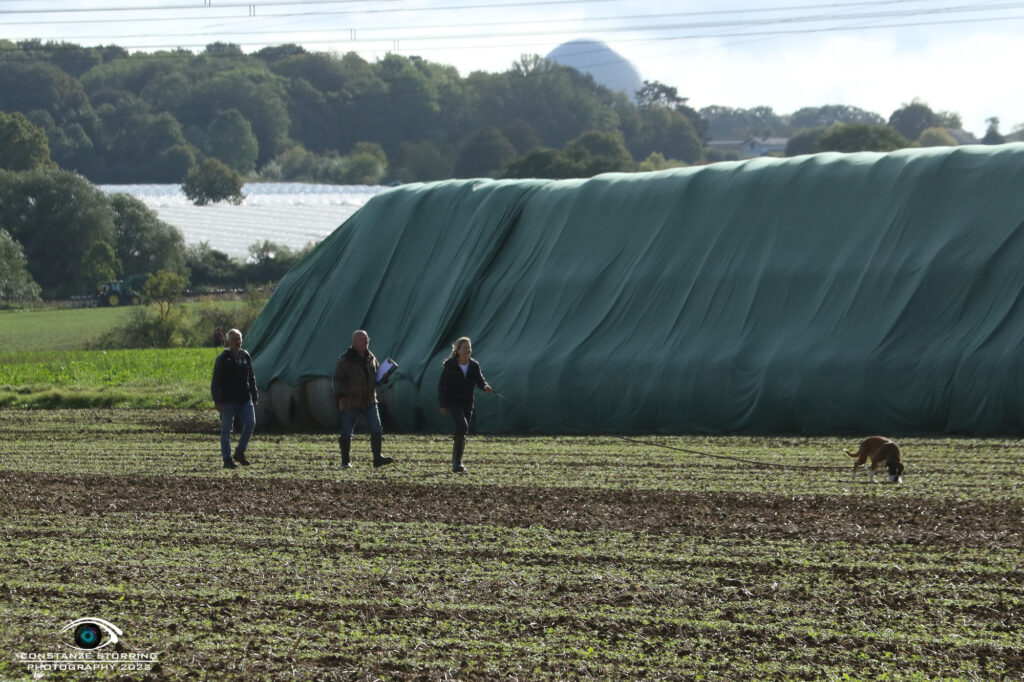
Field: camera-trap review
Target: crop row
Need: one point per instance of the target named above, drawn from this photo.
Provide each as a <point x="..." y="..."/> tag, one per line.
<point x="556" y="557"/>
<point x="186" y="443"/>
<point x="422" y="599"/>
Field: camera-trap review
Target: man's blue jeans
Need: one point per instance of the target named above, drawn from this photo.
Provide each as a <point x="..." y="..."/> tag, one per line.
<point x="227" y="421"/>
<point x="347" y="420"/>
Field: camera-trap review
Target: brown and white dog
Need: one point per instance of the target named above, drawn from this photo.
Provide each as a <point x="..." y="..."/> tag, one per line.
<point x="879" y="450"/>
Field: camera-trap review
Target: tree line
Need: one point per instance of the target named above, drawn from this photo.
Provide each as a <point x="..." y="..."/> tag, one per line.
<point x="72" y="115"/>
<point x="284" y="113"/>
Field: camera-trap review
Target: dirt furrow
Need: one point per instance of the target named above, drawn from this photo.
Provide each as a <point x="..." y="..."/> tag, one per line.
<point x="895" y="518"/>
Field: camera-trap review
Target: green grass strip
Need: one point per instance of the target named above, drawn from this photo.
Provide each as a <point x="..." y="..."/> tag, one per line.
<point x="177" y="377"/>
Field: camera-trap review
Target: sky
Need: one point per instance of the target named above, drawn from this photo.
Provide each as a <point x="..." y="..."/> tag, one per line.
<point x="877" y="55"/>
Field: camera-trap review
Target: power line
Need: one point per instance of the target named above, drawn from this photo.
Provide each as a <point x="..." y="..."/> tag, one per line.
<point x="650" y="29"/>
<point x="661" y="26"/>
<point x="519" y="44"/>
<point x="282" y="3"/>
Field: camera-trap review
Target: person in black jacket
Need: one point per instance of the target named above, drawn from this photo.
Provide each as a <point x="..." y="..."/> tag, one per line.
<point x="234" y="393"/>
<point x="459" y="376"/>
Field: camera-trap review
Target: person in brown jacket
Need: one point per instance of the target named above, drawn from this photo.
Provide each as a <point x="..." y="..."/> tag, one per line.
<point x="355" y="389"/>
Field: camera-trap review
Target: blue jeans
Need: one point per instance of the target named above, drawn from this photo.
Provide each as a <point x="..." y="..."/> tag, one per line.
<point x="227" y="421"/>
<point x="347" y="420"/>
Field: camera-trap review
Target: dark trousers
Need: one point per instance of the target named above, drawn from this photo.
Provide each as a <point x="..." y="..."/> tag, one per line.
<point x="461" y="417"/>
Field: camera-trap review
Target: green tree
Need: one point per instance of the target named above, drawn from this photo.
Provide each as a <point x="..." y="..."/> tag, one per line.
<point x="992" y="135"/>
<point x="912" y="119"/>
<point x="164" y="289"/>
<point x="860" y="137"/>
<point x="657" y="95"/>
<point x="255" y="92"/>
<point x="829" y="115"/>
<point x="727" y="123"/>
<point x="484" y="153"/>
<point x="23" y="146"/>
<point x="232" y="141"/>
<point x="101" y="264"/>
<point x="269" y="262"/>
<point x="212" y="268"/>
<point x="422" y="161"/>
<point x="936" y="137"/>
<point x="71" y="145"/>
<point x="366" y="164"/>
<point x="545" y="163"/>
<point x="143" y="242"/>
<point x="597" y="152"/>
<point x="135" y="142"/>
<point x="657" y="162"/>
<point x="950" y="120"/>
<point x="558" y="102"/>
<point x="167" y="91"/>
<point x="29" y="86"/>
<point x="212" y="181"/>
<point x="141" y="74"/>
<point x="73" y="59"/>
<point x="58" y="217"/>
<point x="323" y="71"/>
<point x="276" y="53"/>
<point x="668" y="132"/>
<point x="16" y="284"/>
<point x="522" y="136"/>
<point x="804" y="141"/>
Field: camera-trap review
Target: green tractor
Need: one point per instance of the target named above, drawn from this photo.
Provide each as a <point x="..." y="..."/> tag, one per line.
<point x="117" y="293"/>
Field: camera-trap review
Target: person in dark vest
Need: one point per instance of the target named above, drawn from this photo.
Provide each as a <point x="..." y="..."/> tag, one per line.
<point x="459" y="376"/>
<point x="355" y="389"/>
<point x="234" y="394"/>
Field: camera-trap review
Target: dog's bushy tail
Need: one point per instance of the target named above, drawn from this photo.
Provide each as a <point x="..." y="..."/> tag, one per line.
<point x="850" y="454"/>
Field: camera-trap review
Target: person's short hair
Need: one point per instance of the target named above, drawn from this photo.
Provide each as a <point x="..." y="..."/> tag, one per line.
<point x="233" y="332"/>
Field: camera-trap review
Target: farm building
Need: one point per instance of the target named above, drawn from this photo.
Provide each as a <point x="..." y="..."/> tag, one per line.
<point x="829" y="293"/>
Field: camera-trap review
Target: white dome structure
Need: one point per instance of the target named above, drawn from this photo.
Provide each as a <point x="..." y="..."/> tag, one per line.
<point x="607" y="66"/>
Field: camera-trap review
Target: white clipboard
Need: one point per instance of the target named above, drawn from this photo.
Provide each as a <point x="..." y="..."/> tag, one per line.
<point x="385" y="369"/>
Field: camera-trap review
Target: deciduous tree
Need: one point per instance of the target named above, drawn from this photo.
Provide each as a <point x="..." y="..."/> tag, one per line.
<point x="484" y="153"/>
<point x="23" y="146"/>
<point x="143" y="242"/>
<point x="912" y="119"/>
<point x="164" y="288"/>
<point x="212" y="181"/>
<point x="59" y="218"/>
<point x="16" y="284"/>
<point x="232" y="141"/>
<point x="936" y="137"/>
<point x="860" y="137"/>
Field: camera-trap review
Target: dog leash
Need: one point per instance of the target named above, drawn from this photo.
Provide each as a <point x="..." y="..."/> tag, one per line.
<point x="638" y="441"/>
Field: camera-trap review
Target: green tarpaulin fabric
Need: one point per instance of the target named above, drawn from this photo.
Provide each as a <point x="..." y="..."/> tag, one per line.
<point x="859" y="293"/>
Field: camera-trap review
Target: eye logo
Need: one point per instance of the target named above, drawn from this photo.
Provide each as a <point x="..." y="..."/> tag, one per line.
<point x="88" y="633"/>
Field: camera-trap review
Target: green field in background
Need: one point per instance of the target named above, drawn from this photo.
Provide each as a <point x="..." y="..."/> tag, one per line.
<point x="68" y="328"/>
<point x="174" y="377"/>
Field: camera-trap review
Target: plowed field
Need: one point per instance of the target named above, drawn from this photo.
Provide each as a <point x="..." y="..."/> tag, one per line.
<point x="554" y="557"/>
